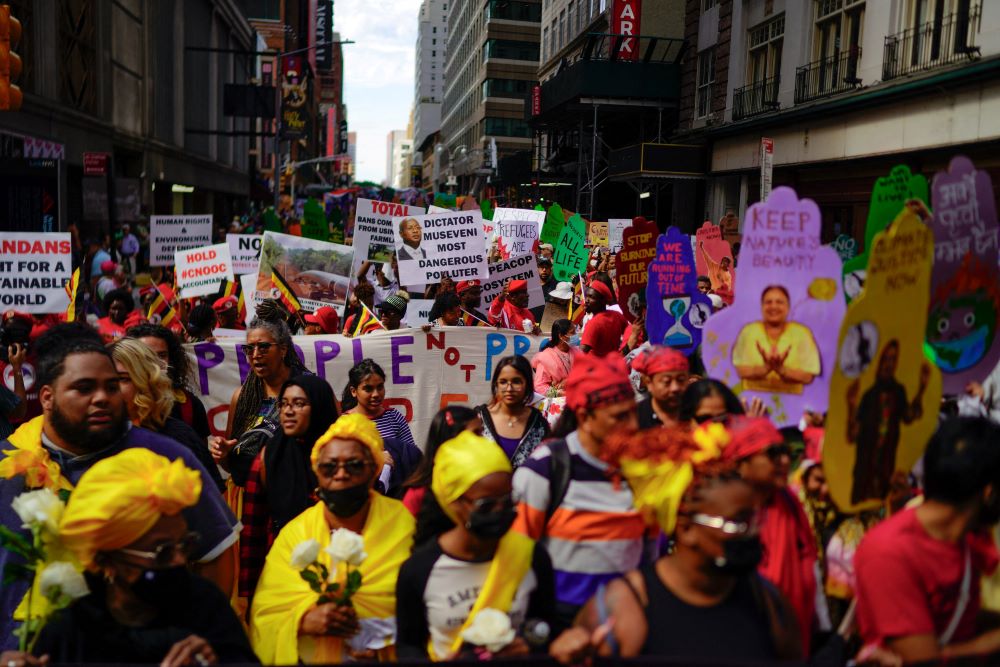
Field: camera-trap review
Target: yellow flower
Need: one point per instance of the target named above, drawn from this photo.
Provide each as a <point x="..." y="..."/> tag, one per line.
<point x="38" y="469"/>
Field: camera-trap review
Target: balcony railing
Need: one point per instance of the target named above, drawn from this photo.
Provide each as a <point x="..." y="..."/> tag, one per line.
<point x="933" y="44"/>
<point x="828" y="76"/>
<point x="756" y="98"/>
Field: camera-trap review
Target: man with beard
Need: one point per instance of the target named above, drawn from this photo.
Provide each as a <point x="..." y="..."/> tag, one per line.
<point x="664" y="371"/>
<point x="84" y="420"/>
<point x="471" y="294"/>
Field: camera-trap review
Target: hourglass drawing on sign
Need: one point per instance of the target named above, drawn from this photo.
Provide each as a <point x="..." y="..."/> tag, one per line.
<point x="677" y="335"/>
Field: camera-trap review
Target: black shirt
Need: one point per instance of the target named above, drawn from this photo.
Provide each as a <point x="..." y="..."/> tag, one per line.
<point x="647" y="415"/>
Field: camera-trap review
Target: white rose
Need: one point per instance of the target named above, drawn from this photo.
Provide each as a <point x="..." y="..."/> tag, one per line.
<point x="41" y="507"/>
<point x="304" y="554"/>
<point x="61" y="578"/>
<point x="491" y="629"/>
<point x="527" y="325"/>
<point x="346" y="546"/>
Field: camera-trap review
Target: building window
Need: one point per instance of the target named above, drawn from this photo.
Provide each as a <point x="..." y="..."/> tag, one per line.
<point x="839" y="28"/>
<point x="764" y="50"/>
<point x="545" y="43"/>
<point x="571" y="20"/>
<point x="708" y="4"/>
<point x="562" y="29"/>
<point x="510" y="50"/>
<point x="506" y="88"/>
<point x="78" y="53"/>
<point x="434" y="54"/>
<point x="434" y="30"/>
<point x="706" y="77"/>
<point x="506" y="127"/>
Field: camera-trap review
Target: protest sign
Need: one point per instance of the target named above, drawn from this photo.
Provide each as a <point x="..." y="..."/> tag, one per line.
<point x="615" y="228"/>
<point x="431" y="246"/>
<point x="248" y="285"/>
<point x="459" y="361"/>
<point x="373" y="229"/>
<point x="597" y="234"/>
<point x="570" y="256"/>
<point x="170" y="233"/>
<point x="418" y="312"/>
<point x="245" y="251"/>
<point x="846" y="247"/>
<point x="889" y="196"/>
<point x="314" y="225"/>
<point x="524" y="267"/>
<point x="34" y="270"/>
<point x="316" y="271"/>
<point x="632" y="265"/>
<point x="553" y="225"/>
<point x="965" y="283"/>
<point x="676" y="311"/>
<point x="517" y="230"/>
<point x="778" y="341"/>
<point x="885" y="393"/>
<point x="730" y="226"/>
<point x="714" y="258"/>
<point x="200" y="271"/>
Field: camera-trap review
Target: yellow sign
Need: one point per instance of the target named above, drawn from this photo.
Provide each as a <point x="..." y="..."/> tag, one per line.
<point x="885" y="394"/>
<point x="597" y="234"/>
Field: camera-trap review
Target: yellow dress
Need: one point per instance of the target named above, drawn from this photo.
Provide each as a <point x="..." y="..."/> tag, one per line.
<point x="282" y="597"/>
<point x="803" y="355"/>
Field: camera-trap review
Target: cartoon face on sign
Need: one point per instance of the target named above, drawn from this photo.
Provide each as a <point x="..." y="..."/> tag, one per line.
<point x="965" y="284"/>
<point x="676" y="311"/>
<point x="884" y="393"/>
<point x="778" y="341"/>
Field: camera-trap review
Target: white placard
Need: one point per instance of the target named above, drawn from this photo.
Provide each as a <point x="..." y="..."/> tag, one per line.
<point x="34" y="269"/>
<point x="200" y="271"/>
<point x="517" y="234"/>
<point x="170" y="233"/>
<point x="524" y="267"/>
<point x="248" y="283"/>
<point x="418" y="312"/>
<point x="373" y="229"/>
<point x="616" y="228"/>
<point x="441" y="244"/>
<point x="245" y="251"/>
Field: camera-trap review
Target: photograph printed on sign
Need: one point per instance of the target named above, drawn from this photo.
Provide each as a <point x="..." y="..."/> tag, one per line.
<point x="431" y="246"/>
<point x="884" y="391"/>
<point x="374" y="239"/>
<point x="676" y="312"/>
<point x="316" y="271"/>
<point x="965" y="283"/>
<point x="777" y="342"/>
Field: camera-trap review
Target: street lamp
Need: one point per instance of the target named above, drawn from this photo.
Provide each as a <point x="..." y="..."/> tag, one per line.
<point x="462" y="152"/>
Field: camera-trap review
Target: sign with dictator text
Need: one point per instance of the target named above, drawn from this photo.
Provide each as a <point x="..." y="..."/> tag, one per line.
<point x="885" y="393"/>
<point x="778" y="340"/>
<point x="676" y="311"/>
<point x="200" y="271"/>
<point x="525" y="268"/>
<point x="431" y="246"/>
<point x="34" y="270"/>
<point x="245" y="251"/>
<point x="965" y="283"/>
<point x="632" y="265"/>
<point x="170" y="233"/>
<point x="457" y="360"/>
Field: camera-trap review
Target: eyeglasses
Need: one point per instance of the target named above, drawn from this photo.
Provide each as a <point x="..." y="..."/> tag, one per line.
<point x="727" y="526"/>
<point x="165" y="554"/>
<point x="263" y="348"/>
<point x="296" y="404"/>
<point x="719" y="419"/>
<point x="489" y="505"/>
<point x="353" y="467"/>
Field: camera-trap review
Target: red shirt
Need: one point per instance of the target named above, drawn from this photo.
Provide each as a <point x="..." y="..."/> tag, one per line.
<point x="110" y="331"/>
<point x="509" y="316"/>
<point x="909" y="582"/>
<point x="603" y="333"/>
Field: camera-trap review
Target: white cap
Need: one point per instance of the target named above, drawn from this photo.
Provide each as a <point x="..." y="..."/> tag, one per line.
<point x="562" y="291"/>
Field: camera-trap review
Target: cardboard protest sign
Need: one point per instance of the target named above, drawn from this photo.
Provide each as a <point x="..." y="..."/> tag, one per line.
<point x="524" y="267"/>
<point x="778" y="341"/>
<point x="714" y="258"/>
<point x="676" y="311"/>
<point x="846" y="247"/>
<point x="553" y="225"/>
<point x="616" y="226"/>
<point x="517" y="230"/>
<point x="431" y="246"/>
<point x="34" y="271"/>
<point x="317" y="272"/>
<point x="200" y="271"/>
<point x="597" y="234"/>
<point x="889" y="196"/>
<point x="374" y="238"/>
<point x="632" y="264"/>
<point x="245" y="252"/>
<point x="314" y="225"/>
<point x="570" y="256"/>
<point x="170" y="233"/>
<point x="730" y="226"/>
<point x="459" y="361"/>
<point x="418" y="312"/>
<point x="965" y="284"/>
<point x="885" y="393"/>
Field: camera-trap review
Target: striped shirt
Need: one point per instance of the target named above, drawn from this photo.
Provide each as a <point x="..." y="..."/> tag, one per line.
<point x="594" y="536"/>
<point x="392" y="424"/>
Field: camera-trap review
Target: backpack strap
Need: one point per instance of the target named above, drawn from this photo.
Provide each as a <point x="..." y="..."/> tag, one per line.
<point x="560" y="473"/>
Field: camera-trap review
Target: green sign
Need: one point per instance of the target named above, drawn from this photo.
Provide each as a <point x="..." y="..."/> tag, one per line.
<point x="570" y="256"/>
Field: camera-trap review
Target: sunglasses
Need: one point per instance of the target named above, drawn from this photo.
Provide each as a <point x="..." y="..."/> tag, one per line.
<point x="353" y="467"/>
<point x="165" y="555"/>
<point x="718" y="419"/>
<point x="263" y="348"/>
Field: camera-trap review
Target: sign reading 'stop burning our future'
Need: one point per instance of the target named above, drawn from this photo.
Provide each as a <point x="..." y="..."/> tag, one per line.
<point x="431" y="246"/>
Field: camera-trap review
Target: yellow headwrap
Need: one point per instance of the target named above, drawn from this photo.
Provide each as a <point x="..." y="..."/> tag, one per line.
<point x="352" y="427"/>
<point x="460" y="463"/>
<point x="121" y="498"/>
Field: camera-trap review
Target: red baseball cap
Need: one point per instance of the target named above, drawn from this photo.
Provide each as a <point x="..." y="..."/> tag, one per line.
<point x="223" y="304"/>
<point x="465" y="285"/>
<point x="108" y="266"/>
<point x="518" y="286"/>
<point x="327" y="319"/>
<point x="603" y="290"/>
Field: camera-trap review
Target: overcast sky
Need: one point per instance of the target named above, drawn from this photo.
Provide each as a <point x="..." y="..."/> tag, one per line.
<point x="378" y="73"/>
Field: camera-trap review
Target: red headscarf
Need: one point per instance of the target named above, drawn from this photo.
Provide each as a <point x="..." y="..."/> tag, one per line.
<point x="603" y="290"/>
<point x="660" y="359"/>
<point x="597" y="381"/>
<point x="749" y="436"/>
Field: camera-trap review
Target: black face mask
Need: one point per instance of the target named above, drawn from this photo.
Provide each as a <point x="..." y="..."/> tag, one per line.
<point x="491" y="525"/>
<point x="163" y="589"/>
<point x="345" y="502"/>
<point x="740" y="556"/>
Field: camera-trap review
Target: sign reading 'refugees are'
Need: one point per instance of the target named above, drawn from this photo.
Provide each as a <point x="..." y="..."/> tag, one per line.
<point x="429" y="247"/>
<point x="170" y="233"/>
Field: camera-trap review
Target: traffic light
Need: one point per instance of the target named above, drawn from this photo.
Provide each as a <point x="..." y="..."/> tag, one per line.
<point x="10" y="62"/>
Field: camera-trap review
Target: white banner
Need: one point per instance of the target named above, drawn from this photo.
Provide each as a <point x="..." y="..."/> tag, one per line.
<point x="424" y="372"/>
<point x="170" y="233"/>
<point x="245" y="251"/>
<point x="200" y="271"/>
<point x="616" y="227"/>
<point x="430" y="246"/>
<point x="34" y="269"/>
<point x="525" y="268"/>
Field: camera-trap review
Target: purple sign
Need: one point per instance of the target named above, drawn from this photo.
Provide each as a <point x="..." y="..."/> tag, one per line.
<point x="965" y="283"/>
<point x="778" y="341"/>
<point x="676" y="311"/>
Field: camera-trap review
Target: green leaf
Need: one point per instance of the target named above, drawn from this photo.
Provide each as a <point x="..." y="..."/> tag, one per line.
<point x="9" y="539"/>
<point x="64" y="495"/>
<point x="309" y="576"/>
<point x="325" y="572"/>
<point x="17" y="572"/>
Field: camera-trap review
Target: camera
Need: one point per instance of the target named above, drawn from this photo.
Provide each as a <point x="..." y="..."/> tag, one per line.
<point x="11" y="334"/>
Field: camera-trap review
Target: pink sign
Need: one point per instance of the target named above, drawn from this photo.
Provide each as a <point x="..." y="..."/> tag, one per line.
<point x="714" y="259"/>
<point x="778" y="341"/>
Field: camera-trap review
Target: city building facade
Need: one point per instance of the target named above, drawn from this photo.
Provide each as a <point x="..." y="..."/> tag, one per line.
<point x="432" y="45"/>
